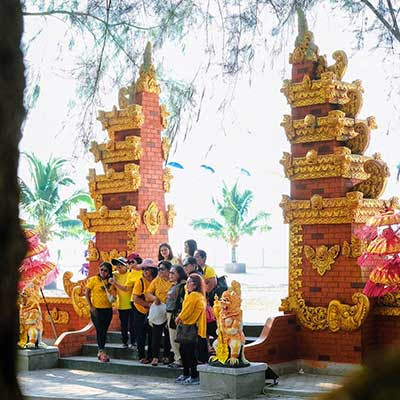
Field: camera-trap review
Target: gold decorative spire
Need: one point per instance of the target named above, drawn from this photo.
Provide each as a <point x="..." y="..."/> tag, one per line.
<point x="147" y="81"/>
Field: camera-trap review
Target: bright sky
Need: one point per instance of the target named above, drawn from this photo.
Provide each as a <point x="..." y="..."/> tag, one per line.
<point x="252" y="137"/>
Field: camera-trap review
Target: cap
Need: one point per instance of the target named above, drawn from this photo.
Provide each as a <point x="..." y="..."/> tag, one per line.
<point x="119" y="261"/>
<point x="148" y="263"/>
<point x="134" y="256"/>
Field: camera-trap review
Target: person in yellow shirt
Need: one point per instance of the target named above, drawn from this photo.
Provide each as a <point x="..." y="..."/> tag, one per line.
<point x="165" y="254"/>
<point x="157" y="293"/>
<point x="97" y="290"/>
<point x="123" y="284"/>
<point x="141" y="309"/>
<point x="193" y="312"/>
<point x="135" y="267"/>
<point x="209" y="274"/>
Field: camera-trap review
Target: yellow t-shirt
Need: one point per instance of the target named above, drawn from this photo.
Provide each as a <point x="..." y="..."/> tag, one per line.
<point x="133" y="276"/>
<point x="159" y="287"/>
<point x="124" y="298"/>
<point x="209" y="272"/>
<point x="98" y="294"/>
<point x="194" y="312"/>
<point x="140" y="288"/>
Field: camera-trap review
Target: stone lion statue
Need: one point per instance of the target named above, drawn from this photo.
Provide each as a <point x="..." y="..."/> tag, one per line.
<point x="229" y="346"/>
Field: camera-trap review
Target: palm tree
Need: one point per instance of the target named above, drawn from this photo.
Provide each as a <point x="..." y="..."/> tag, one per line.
<point x="233" y="209"/>
<point x="47" y="210"/>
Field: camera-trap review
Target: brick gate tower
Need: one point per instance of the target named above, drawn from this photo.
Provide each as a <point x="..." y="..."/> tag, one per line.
<point x="334" y="189"/>
<point x="129" y="198"/>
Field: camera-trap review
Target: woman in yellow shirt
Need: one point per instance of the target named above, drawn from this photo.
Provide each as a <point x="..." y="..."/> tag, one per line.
<point x="97" y="288"/>
<point x="165" y="254"/>
<point x="157" y="293"/>
<point x="193" y="312"/>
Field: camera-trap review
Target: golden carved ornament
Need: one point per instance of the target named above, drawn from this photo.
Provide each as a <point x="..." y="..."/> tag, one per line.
<point x="131" y="241"/>
<point x="167" y="176"/>
<point x="355" y="248"/>
<point x="313" y="166"/>
<point x="388" y="305"/>
<point x="126" y="96"/>
<point x="147" y="81"/>
<point x="353" y="106"/>
<point x="341" y="210"/>
<point x="305" y="50"/>
<point x="164" y="115"/>
<point x="336" y="316"/>
<point x="109" y="255"/>
<point x="93" y="253"/>
<point x="105" y="220"/>
<point x="359" y="143"/>
<point x="56" y="300"/>
<point x="325" y="90"/>
<point x="98" y="201"/>
<point x="375" y="185"/>
<point x="114" y="182"/>
<point x="334" y="126"/>
<point x="166" y="146"/>
<point x="58" y="316"/>
<point x="128" y="150"/>
<point x="321" y="258"/>
<point x="171" y="214"/>
<point x="152" y="218"/>
<point x="339" y="68"/>
<point x="131" y="117"/>
<point x="76" y="290"/>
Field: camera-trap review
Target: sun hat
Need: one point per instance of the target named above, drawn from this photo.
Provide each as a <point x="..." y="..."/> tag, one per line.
<point x="119" y="261"/>
<point x="134" y="256"/>
<point x="148" y="263"/>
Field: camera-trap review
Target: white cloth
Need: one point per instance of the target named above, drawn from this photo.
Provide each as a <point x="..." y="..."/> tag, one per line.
<point x="157" y="314"/>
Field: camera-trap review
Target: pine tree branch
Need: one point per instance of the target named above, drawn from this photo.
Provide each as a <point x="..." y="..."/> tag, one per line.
<point x="395" y="25"/>
<point x="381" y="18"/>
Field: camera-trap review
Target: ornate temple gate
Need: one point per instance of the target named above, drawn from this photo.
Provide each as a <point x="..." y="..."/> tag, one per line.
<point x="129" y="197"/>
<point x="335" y="188"/>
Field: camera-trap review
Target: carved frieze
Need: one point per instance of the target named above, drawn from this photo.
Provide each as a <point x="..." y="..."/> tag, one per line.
<point x="105" y="220"/>
<point x="355" y="248"/>
<point x="321" y="91"/>
<point x="152" y="218"/>
<point x="114" y="182"/>
<point x="313" y="166"/>
<point x="336" y="316"/>
<point x="130" y="117"/>
<point x="388" y="305"/>
<point x="334" y="126"/>
<point x="109" y="255"/>
<point x="129" y="149"/>
<point x="131" y="241"/>
<point x="322" y="257"/>
<point x="342" y="210"/>
<point x="58" y="316"/>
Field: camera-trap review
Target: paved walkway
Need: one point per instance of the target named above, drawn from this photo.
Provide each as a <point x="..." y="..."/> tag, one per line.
<point x="76" y="384"/>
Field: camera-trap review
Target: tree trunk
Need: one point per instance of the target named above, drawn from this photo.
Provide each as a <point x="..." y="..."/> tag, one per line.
<point x="12" y="243"/>
<point x="233" y="254"/>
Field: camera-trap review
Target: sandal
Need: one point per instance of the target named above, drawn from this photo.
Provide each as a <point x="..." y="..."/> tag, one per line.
<point x="104" y="357"/>
<point x="154" y="363"/>
<point x="144" y="361"/>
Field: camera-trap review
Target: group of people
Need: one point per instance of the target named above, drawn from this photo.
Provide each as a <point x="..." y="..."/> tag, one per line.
<point x="155" y="302"/>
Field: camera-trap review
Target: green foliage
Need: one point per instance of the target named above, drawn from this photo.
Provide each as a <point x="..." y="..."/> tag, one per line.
<point x="233" y="209"/>
<point x="47" y="210"/>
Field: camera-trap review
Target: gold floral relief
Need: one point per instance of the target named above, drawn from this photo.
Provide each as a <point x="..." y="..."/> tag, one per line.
<point x="131" y="241"/>
<point x="166" y="146"/>
<point x="336" y="316"/>
<point x="322" y="257"/>
<point x="130" y="117"/>
<point x="105" y="220"/>
<point x="164" y="115"/>
<point x="109" y="255"/>
<point x="114" y="182"/>
<point x="152" y="218"/>
<point x="342" y="210"/>
<point x="171" y="214"/>
<point x="167" y="177"/>
<point x="93" y="253"/>
<point x="58" y="316"/>
<point x="355" y="248"/>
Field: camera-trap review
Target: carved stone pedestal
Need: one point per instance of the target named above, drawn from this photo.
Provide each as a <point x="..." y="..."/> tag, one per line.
<point x="32" y="359"/>
<point x="236" y="383"/>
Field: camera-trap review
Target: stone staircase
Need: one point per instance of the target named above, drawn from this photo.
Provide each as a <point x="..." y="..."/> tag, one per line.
<point x="125" y="360"/>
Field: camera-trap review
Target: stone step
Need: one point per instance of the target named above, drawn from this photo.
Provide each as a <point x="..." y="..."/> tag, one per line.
<point x="117" y="366"/>
<point x="114" y="350"/>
